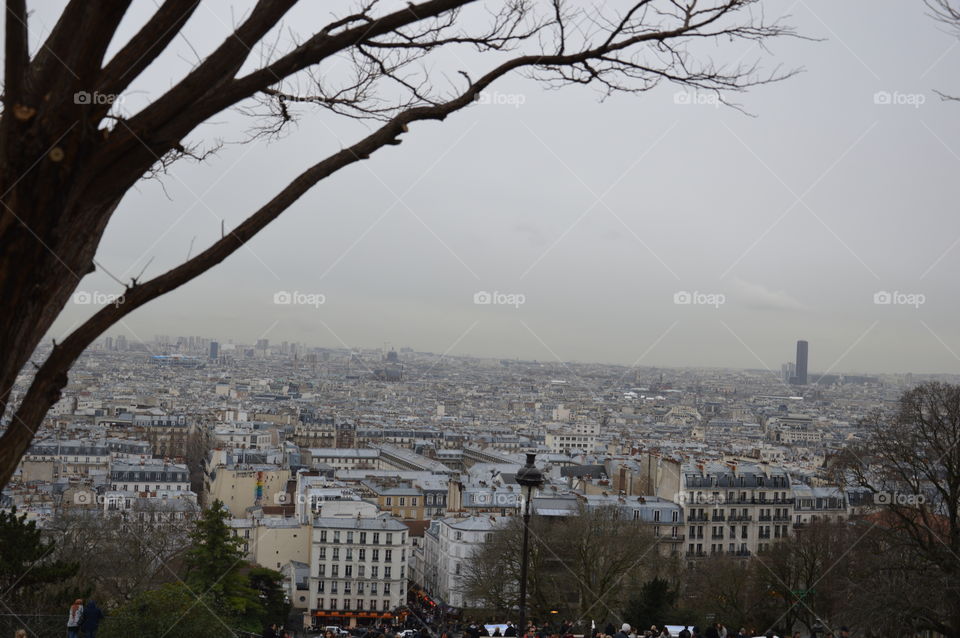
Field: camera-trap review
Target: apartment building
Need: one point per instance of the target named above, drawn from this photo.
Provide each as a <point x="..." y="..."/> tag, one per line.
<point x="358" y="569"/>
<point x="737" y="509"/>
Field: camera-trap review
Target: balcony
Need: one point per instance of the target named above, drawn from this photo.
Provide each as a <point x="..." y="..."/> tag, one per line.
<point x="697" y="518"/>
<point x="719" y="517"/>
<point x="696" y="554"/>
<point x="764" y="518"/>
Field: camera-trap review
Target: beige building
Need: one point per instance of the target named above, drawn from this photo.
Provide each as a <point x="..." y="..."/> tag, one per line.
<point x="240" y="487"/>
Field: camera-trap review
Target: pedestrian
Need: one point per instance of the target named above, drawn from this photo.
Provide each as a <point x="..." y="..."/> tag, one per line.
<point x="496" y="633"/>
<point x="624" y="631"/>
<point x="510" y="631"/>
<point x="609" y="630"/>
<point x="664" y="633"/>
<point x="20" y="633"/>
<point x="92" y="615"/>
<point x="712" y="632"/>
<point x="74" y="618"/>
<point x="722" y="629"/>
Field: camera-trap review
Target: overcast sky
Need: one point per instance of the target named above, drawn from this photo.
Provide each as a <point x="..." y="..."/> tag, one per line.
<point x="600" y="214"/>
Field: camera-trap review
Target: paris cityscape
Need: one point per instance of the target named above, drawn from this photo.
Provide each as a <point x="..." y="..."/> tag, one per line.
<point x="463" y="318"/>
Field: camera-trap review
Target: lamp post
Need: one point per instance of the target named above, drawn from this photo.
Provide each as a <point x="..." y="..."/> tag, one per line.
<point x="529" y="478"/>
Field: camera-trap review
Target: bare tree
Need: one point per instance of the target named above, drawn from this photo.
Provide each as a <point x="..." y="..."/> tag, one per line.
<point x="66" y="163"/>
<point x="910" y="462"/>
<point x="584" y="565"/>
<point x="948" y="14"/>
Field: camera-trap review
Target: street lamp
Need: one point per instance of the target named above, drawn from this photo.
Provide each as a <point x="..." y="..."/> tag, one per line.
<point x="529" y="478"/>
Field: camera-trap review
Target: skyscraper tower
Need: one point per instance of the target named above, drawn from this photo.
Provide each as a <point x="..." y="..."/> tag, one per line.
<point x="801" y="363"/>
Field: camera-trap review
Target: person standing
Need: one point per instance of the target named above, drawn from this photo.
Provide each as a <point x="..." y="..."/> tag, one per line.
<point x="624" y="631"/>
<point x="92" y="615"/>
<point x="74" y="618"/>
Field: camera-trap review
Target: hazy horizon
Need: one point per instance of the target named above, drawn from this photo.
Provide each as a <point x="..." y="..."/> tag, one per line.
<point x="827" y="217"/>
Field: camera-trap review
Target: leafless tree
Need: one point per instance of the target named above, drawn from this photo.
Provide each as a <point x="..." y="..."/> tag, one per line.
<point x="66" y="162"/>
<point x="911" y="464"/>
<point x="582" y="565"/>
<point x="122" y="555"/>
<point x="947" y="13"/>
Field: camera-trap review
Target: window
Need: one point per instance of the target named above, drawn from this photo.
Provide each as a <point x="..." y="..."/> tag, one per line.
<point x="376" y="555"/>
<point x="362" y="554"/>
<point x="376" y="538"/>
<point x="413" y="501"/>
<point x="388" y="555"/>
<point x="349" y="538"/>
<point x="348" y="571"/>
<point x="333" y="603"/>
<point x="336" y="536"/>
<point x="374" y="571"/>
<point x="389" y="501"/>
<point x="359" y="604"/>
<point x="403" y="501"/>
<point x="335" y="571"/>
<point x="323" y="572"/>
<point x="456" y="569"/>
<point x="334" y="587"/>
<point x="386" y="589"/>
<point x="320" y="586"/>
<point x="459" y="536"/>
<point x="360" y="570"/>
<point x="386" y="572"/>
<point x="323" y="553"/>
<point x="336" y="553"/>
<point x="359" y="588"/>
<point x="363" y="538"/>
<point x="386" y="605"/>
<point x="656" y="515"/>
<point x="373" y="589"/>
<point x="389" y="539"/>
<point x="349" y="553"/>
<point x="676" y="516"/>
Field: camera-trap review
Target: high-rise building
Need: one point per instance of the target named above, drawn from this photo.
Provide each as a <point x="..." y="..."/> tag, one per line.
<point x="214" y="350"/>
<point x="801" y="378"/>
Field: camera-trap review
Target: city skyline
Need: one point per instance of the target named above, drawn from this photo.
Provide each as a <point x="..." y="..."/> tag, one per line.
<point x="795" y="217"/>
